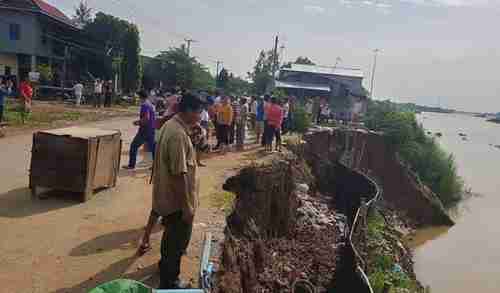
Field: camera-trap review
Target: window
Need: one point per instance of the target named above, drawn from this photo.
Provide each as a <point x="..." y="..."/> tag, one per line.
<point x="14" y="32"/>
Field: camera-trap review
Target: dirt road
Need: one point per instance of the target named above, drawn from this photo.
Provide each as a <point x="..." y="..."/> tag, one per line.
<point x="60" y="245"/>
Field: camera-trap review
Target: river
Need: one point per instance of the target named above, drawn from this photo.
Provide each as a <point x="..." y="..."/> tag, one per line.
<point x="466" y="257"/>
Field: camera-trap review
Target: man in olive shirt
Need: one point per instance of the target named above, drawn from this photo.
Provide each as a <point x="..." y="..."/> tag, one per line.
<point x="175" y="188"/>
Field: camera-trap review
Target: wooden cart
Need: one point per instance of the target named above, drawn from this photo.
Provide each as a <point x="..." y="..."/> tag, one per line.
<point x="75" y="159"/>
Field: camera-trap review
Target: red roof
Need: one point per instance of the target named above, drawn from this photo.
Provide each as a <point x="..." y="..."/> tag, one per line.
<point x="52" y="11"/>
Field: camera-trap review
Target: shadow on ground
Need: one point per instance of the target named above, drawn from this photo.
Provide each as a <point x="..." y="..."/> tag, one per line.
<point x="115" y="271"/>
<point x="18" y="203"/>
<point x="115" y="240"/>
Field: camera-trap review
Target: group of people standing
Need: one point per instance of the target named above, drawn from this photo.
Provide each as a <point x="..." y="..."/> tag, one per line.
<point x="319" y="110"/>
<point x="175" y="139"/>
<point x="101" y="90"/>
<point x="229" y="115"/>
<point x="268" y="116"/>
<point x="272" y="119"/>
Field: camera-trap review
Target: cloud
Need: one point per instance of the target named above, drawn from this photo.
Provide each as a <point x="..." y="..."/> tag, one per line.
<point x="346" y="3"/>
<point x="383" y="5"/>
<point x="314" y="9"/>
<point x="380" y="7"/>
<point x="450" y="3"/>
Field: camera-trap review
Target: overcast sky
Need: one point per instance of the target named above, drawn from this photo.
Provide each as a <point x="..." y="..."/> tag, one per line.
<point x="433" y="51"/>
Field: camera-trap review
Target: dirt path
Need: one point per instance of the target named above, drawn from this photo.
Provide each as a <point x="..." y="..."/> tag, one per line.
<point x="59" y="245"/>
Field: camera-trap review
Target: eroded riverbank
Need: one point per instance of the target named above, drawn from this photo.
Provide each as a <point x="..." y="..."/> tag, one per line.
<point x="327" y="194"/>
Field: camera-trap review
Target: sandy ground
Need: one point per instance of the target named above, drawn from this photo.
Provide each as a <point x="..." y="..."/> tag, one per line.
<point x="60" y="245"/>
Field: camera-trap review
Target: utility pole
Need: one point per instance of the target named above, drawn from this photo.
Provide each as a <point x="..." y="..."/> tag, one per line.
<point x="275" y="55"/>
<point x="188" y="45"/>
<point x="275" y="62"/>
<point x="217" y="72"/>
<point x="375" y="52"/>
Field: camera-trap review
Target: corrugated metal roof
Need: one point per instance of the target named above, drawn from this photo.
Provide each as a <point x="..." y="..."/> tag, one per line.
<point x="53" y="12"/>
<point x="302" y="85"/>
<point x="340" y="71"/>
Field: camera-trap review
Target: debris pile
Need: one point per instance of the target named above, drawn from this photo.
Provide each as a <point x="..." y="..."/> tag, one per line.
<point x="280" y="232"/>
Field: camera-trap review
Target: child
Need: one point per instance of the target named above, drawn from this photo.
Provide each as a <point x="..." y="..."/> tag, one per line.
<point x="199" y="139"/>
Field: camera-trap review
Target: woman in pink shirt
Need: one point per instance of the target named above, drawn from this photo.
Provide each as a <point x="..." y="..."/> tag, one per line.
<point x="274" y="121"/>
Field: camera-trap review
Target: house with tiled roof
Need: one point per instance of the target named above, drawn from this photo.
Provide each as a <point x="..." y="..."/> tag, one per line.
<point x="34" y="32"/>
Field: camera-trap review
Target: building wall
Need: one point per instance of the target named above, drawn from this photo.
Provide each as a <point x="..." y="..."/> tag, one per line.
<point x="337" y="83"/>
<point x="29" y="37"/>
<point x="354" y="84"/>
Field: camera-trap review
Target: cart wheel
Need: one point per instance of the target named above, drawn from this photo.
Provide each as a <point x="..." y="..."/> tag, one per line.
<point x="33" y="192"/>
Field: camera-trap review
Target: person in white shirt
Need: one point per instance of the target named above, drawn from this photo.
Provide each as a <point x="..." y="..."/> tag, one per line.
<point x="253" y="111"/>
<point x="97" y="93"/>
<point x="78" y="88"/>
<point x="286" y="110"/>
<point x="309" y="107"/>
<point x="325" y="113"/>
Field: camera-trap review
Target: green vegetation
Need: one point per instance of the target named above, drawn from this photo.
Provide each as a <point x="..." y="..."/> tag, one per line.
<point x="14" y="116"/>
<point x="433" y="166"/>
<point x="224" y="200"/>
<point x="131" y="66"/>
<point x="384" y="272"/>
<point x="46" y="73"/>
<point x="174" y="67"/>
<point x="233" y="85"/>
<point x="262" y="73"/>
<point x="120" y="43"/>
<point x="301" y="120"/>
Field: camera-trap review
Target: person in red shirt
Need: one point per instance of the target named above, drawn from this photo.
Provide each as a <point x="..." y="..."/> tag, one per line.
<point x="26" y="95"/>
<point x="274" y="121"/>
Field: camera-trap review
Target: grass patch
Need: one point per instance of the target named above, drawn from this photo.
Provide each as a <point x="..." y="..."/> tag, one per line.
<point x="14" y="116"/>
<point x="224" y="200"/>
<point x="384" y="271"/>
<point x="422" y="153"/>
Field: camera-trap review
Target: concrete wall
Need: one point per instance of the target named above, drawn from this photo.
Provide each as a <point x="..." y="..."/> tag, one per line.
<point x="29" y="35"/>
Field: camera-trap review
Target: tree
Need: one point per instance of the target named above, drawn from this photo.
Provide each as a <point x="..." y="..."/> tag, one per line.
<point x="121" y="53"/>
<point x="131" y="66"/>
<point x="262" y="72"/>
<point x="304" y="60"/>
<point x="174" y="67"/>
<point x="46" y="73"/>
<point x="83" y="14"/>
<point x="232" y="84"/>
<point x="299" y="60"/>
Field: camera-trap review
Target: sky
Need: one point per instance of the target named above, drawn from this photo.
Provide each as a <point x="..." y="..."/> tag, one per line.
<point x="433" y="52"/>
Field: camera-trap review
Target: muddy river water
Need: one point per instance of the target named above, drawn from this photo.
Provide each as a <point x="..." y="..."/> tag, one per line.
<point x="466" y="257"/>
